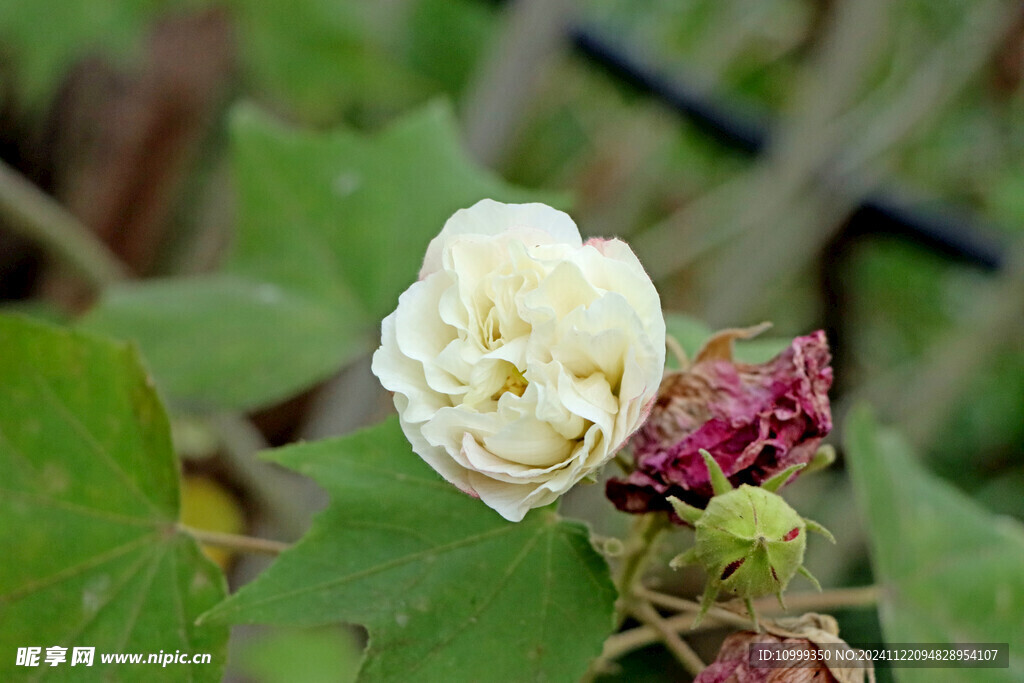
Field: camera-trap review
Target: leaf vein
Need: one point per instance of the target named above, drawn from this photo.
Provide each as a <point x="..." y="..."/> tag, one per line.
<point x="499" y="585"/>
<point x="382" y="567"/>
<point x="94" y="444"/>
<point x="85" y="511"/>
<point x="74" y="570"/>
<point x="72" y="635"/>
<point x="147" y="585"/>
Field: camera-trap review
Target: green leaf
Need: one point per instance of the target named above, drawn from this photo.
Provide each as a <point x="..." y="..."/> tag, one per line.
<point x="448" y="38"/>
<point x="323" y="655"/>
<point x="316" y="57"/>
<point x="950" y="571"/>
<point x="343" y="212"/>
<point x="235" y="326"/>
<point x="74" y="28"/>
<point x="447" y="589"/>
<point x="321" y="57"/>
<point x="88" y="513"/>
<point x="332" y="228"/>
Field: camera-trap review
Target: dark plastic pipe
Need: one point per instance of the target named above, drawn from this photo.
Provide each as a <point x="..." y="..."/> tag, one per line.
<point x="946" y="230"/>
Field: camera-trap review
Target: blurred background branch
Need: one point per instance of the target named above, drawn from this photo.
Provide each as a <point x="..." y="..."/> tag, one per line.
<point x="533" y="36"/>
<point x="32" y="213"/>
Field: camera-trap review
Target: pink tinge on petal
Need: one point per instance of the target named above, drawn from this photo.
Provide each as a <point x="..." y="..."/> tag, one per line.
<point x="731" y="656"/>
<point x="733" y="662"/>
<point x="755" y="420"/>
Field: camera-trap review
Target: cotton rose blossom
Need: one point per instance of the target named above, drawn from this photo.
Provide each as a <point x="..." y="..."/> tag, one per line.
<point x="523" y="358"/>
<point x="754" y="420"/>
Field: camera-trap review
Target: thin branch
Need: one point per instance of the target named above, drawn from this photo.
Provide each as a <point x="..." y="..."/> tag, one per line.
<point x="766" y="193"/>
<point x="638" y="547"/>
<point x="641" y="636"/>
<point x="812" y="601"/>
<point x="805" y="601"/>
<point x="720" y="615"/>
<point x="245" y="544"/>
<point x="930" y="89"/>
<point x="635" y="638"/>
<point x="37" y="216"/>
<point x="676" y="645"/>
<point x="852" y="160"/>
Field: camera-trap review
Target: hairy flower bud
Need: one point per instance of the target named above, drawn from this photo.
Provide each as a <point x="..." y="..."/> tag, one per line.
<point x="748" y="539"/>
<point x="755" y="420"/>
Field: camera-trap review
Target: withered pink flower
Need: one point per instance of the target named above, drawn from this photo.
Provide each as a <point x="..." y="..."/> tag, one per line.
<point x="733" y="664"/>
<point x="755" y="420"/>
<point x="810" y="632"/>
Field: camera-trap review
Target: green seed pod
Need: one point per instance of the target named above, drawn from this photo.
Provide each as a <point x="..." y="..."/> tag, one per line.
<point x="749" y="540"/>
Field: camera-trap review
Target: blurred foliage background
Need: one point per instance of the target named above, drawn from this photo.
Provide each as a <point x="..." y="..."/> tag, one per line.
<point x="119" y="110"/>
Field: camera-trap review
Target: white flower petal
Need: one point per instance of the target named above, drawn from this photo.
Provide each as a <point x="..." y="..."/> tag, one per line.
<point x="530" y="442"/>
<point x="490" y="218"/>
<point x="523" y="358"/>
<point x="405" y="377"/>
<point x="438" y="458"/>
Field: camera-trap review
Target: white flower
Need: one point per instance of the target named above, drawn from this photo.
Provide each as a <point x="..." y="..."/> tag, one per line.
<point x="523" y="359"/>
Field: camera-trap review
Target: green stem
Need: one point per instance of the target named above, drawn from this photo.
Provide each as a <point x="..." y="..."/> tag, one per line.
<point x="639" y="544"/>
<point x="646" y="529"/>
<point x="37" y="216"/>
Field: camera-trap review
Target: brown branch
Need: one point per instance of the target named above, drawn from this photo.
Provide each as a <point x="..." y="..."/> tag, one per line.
<point x="646" y="613"/>
<point x="245" y="544"/>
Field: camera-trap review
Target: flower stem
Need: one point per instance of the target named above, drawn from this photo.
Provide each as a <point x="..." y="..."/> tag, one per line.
<point x="645" y="530"/>
<point x="639" y="544"/>
<point x="245" y="544"/>
<point x="35" y="215"/>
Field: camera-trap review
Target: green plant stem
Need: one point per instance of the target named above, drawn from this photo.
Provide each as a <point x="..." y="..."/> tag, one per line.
<point x="37" y="216"/>
<point x="245" y="544"/>
<point x="639" y="544"/>
<point x="645" y="531"/>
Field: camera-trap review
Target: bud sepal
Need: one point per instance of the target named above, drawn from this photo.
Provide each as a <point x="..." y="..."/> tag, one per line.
<point x="748" y="539"/>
